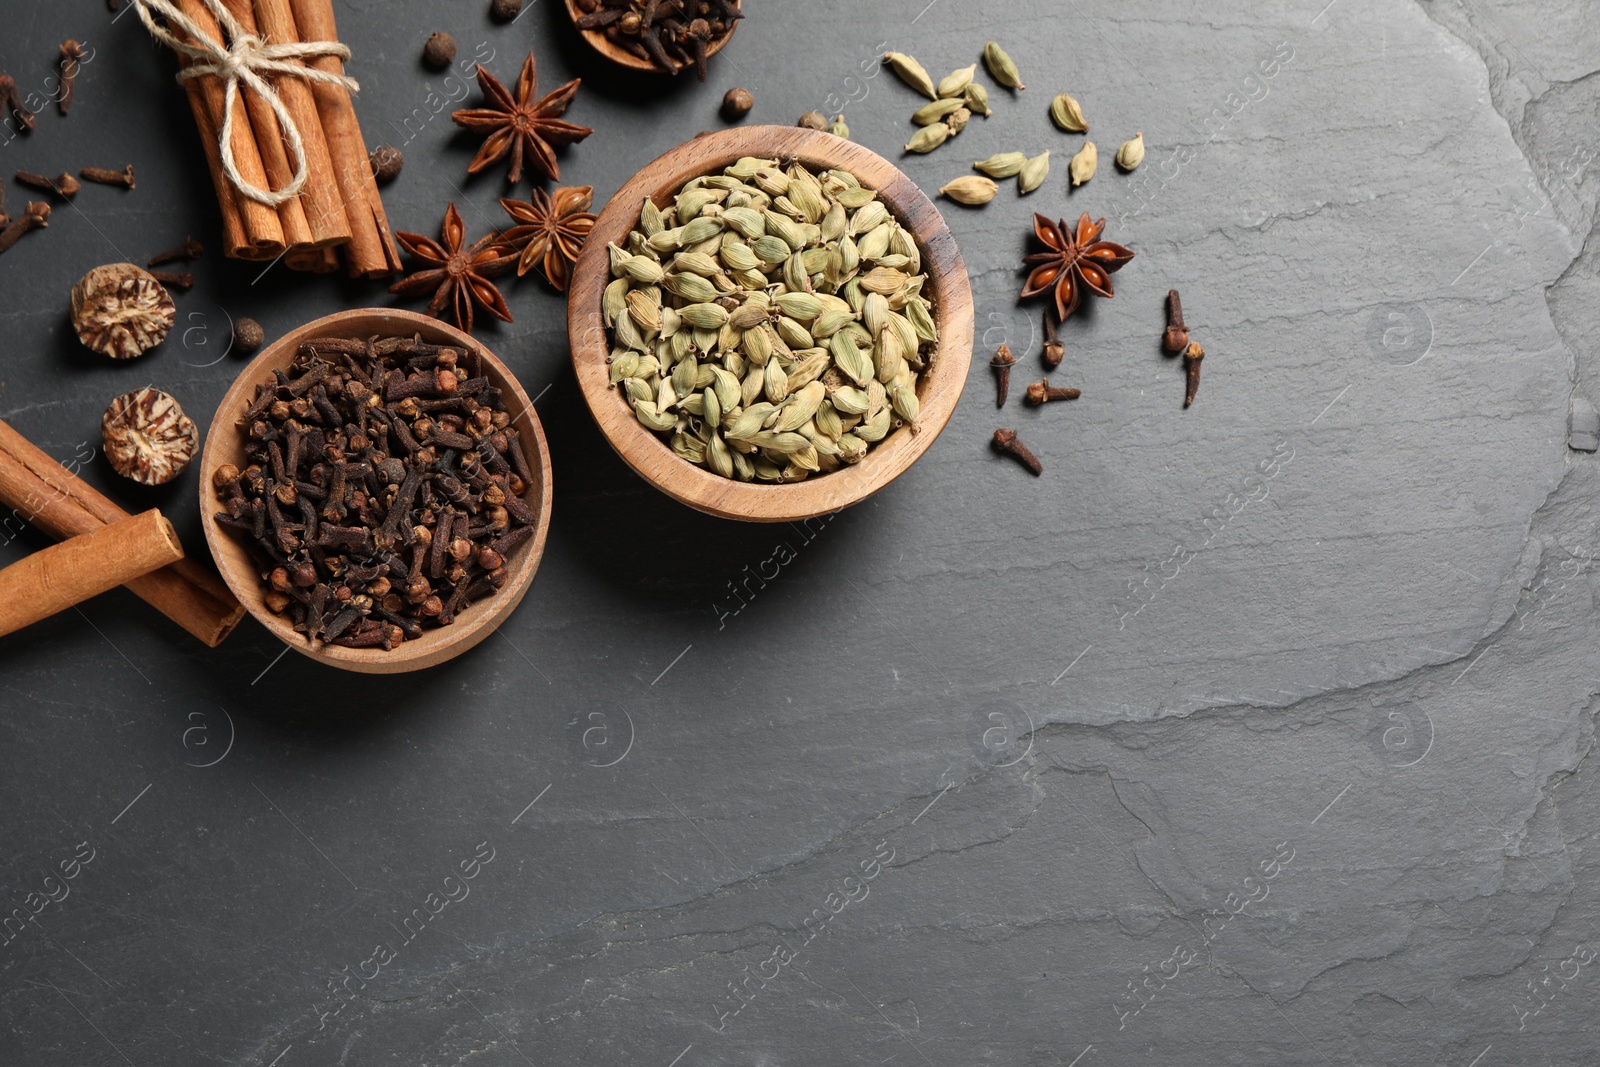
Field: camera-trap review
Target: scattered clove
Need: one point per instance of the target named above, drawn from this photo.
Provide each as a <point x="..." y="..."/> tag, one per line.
<point x="1002" y="361"/>
<point x="64" y="186"/>
<point x="11" y="104"/>
<point x="1191" y="359"/>
<point x="1006" y="441"/>
<point x="1042" y="392"/>
<point x="190" y="249"/>
<point x="36" y="217"/>
<point x="71" y="53"/>
<point x="1176" y="339"/>
<point x="1053" y="349"/>
<point x="106" y="176"/>
<point x="181" y="280"/>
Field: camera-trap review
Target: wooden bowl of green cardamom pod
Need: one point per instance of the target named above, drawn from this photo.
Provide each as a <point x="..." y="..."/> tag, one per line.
<point x="860" y="362"/>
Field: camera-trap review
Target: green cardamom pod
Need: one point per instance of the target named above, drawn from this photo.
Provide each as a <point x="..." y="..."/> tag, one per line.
<point x="1004" y="165"/>
<point x="928" y="138"/>
<point x="905" y="403"/>
<point x="1131" y="154"/>
<point x="977" y="98"/>
<point x="1033" y="173"/>
<point x="955" y="83"/>
<point x="704" y="316"/>
<point x="1001" y="68"/>
<point x="650" y="218"/>
<point x="1083" y="164"/>
<point x="928" y="114"/>
<point x="972" y="190"/>
<point x="910" y="72"/>
<point x="838" y="128"/>
<point x="957" y="120"/>
<point x="802" y="306"/>
<point x="1066" y="113"/>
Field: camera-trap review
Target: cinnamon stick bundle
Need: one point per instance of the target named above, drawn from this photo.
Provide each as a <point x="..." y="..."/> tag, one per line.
<point x="56" y="578"/>
<point x="63" y="506"/>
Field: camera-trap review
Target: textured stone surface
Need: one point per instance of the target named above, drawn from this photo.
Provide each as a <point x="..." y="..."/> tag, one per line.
<point x="1284" y="698"/>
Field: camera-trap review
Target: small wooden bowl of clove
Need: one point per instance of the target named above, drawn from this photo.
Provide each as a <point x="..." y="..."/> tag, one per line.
<point x="778" y="468"/>
<point x="661" y="38"/>
<point x="431" y="444"/>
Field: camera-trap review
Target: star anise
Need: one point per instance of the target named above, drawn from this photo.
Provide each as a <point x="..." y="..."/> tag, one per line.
<point x="459" y="275"/>
<point x="1073" y="262"/>
<point x="521" y="126"/>
<point x="553" y="231"/>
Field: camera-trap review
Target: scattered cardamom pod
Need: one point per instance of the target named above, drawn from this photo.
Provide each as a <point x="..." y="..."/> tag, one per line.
<point x="838" y="128"/>
<point x="1066" y="113"/>
<point x="957" y="120"/>
<point x="1004" y="165"/>
<point x="1131" y="154"/>
<point x="932" y="112"/>
<point x="977" y="98"/>
<point x="972" y="190"/>
<point x="1001" y="67"/>
<point x="955" y="83"/>
<point x="1033" y="173"/>
<point x="910" y="72"/>
<point x="1083" y="164"/>
<point x="928" y="138"/>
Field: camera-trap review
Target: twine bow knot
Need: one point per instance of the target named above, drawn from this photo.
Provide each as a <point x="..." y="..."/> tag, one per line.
<point x="244" y="61"/>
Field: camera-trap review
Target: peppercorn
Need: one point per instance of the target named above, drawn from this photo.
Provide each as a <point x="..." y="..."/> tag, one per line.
<point x="386" y="162"/>
<point x="505" y="10"/>
<point x="439" y="50"/>
<point x="247" y="336"/>
<point x="737" y="104"/>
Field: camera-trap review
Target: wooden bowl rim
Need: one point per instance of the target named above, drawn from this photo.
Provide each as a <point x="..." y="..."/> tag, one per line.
<point x="475" y="623"/>
<point x="939" y="389"/>
<point x="624" y="58"/>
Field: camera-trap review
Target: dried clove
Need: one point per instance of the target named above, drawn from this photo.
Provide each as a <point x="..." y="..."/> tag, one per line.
<point x="1191" y="359"/>
<point x="71" y="53"/>
<point x="106" y="176"/>
<point x="190" y="249"/>
<point x="1002" y="361"/>
<point x="1053" y="349"/>
<point x="1176" y="339"/>
<point x="1006" y="441"/>
<point x="36" y="217"/>
<point x="182" y="280"/>
<point x="64" y="186"/>
<point x="1042" y="392"/>
<point x="11" y="104"/>
<point x="672" y="35"/>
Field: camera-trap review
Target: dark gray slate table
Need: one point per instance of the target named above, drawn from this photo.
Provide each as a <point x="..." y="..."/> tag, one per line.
<point x="1252" y="734"/>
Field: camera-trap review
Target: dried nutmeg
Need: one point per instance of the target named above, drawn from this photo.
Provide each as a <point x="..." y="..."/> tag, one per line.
<point x="247" y="336"/>
<point x="439" y="50"/>
<point x="737" y="104"/>
<point x="386" y="162"/>
<point x="148" y="437"/>
<point x="121" y="311"/>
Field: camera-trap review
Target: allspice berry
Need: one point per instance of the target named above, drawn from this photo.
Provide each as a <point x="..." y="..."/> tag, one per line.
<point x="439" y="50"/>
<point x="121" y="310"/>
<point x="813" y="120"/>
<point x="247" y="336"/>
<point x="505" y="10"/>
<point x="737" y="104"/>
<point x="386" y="162"/>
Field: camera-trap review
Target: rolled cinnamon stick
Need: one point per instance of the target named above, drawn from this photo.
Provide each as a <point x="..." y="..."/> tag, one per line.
<point x="262" y="228"/>
<point x="371" y="251"/>
<point x="320" y="198"/>
<point x="235" y="241"/>
<point x="55" y="578"/>
<point x="62" y="505"/>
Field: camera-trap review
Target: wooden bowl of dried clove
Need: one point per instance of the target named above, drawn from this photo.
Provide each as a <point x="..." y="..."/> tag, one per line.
<point x="944" y="354"/>
<point x="677" y="37"/>
<point x="487" y="588"/>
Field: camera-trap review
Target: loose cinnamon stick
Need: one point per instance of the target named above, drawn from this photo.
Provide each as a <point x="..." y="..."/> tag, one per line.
<point x="261" y="226"/>
<point x="320" y="198"/>
<point x="62" y="505"/>
<point x="56" y="578"/>
<point x="371" y="251"/>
